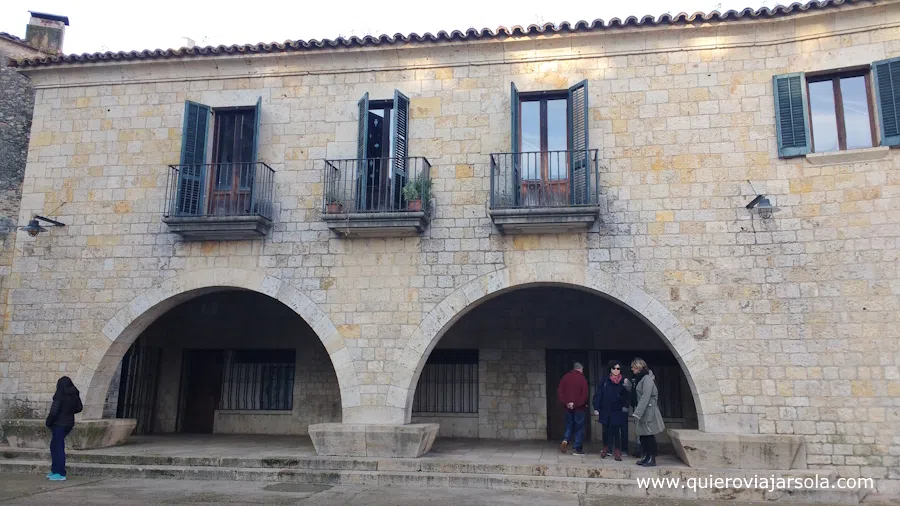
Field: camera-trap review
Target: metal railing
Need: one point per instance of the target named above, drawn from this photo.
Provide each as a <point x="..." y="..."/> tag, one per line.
<point x="544" y="179"/>
<point x="220" y="189"/>
<point x="371" y="185"/>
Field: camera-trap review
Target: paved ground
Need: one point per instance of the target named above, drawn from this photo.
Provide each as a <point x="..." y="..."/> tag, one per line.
<point x="19" y="489"/>
<point x="488" y="451"/>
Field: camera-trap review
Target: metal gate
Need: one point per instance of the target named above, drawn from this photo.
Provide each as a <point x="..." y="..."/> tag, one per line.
<point x="138" y="386"/>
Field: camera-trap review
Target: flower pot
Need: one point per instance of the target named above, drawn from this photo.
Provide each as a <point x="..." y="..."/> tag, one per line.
<point x="334" y="207"/>
<point x="415" y="205"/>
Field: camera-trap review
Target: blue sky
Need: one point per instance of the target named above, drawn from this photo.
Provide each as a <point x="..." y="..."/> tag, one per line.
<point x="101" y="25"/>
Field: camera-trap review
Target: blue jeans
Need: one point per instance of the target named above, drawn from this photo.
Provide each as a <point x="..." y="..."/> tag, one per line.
<point x="575" y="423"/>
<point x="58" y="449"/>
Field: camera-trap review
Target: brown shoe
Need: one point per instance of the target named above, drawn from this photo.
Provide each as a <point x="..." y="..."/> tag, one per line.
<point x="617" y="453"/>
<point x="563" y="446"/>
<point x="604" y="452"/>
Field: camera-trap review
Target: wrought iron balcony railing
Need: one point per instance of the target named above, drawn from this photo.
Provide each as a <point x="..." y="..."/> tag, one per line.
<point x="220" y="189"/>
<point x="377" y="185"/>
<point x="544" y="179"/>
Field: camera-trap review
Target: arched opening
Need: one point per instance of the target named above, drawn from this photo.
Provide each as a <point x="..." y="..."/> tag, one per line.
<point x="493" y="372"/>
<point x="225" y="361"/>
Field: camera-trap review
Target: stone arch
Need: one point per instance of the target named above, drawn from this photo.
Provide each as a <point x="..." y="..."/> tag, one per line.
<point x="117" y="336"/>
<point x="703" y="384"/>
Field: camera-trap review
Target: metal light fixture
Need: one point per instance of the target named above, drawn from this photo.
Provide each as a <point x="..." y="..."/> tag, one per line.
<point x="762" y="206"/>
<point x="34" y="227"/>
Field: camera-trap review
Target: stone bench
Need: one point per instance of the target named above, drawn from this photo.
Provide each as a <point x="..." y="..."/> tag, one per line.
<point x="738" y="451"/>
<point x="87" y="434"/>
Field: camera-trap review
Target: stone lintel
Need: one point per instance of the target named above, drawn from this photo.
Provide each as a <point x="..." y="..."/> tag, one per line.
<point x="218" y="228"/>
<point x="366" y="440"/>
<point x="388" y="224"/>
<point x="550" y="220"/>
<point x="738" y="451"/>
<point x="86" y="435"/>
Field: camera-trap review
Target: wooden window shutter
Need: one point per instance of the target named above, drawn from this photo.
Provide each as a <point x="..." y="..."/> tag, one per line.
<point x="791" y="115"/>
<point x="362" y="139"/>
<point x="192" y="171"/>
<point x="578" y="143"/>
<point x="400" y="147"/>
<point x="256" y="117"/>
<point x="887" y="95"/>
<point x="514" y="116"/>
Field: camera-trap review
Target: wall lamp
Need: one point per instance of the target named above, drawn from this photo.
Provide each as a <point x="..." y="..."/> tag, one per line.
<point x="34" y="227"/>
<point x="762" y="206"/>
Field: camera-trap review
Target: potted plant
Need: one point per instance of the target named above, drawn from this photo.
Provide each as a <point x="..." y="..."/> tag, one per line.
<point x="333" y="204"/>
<point x="417" y="192"/>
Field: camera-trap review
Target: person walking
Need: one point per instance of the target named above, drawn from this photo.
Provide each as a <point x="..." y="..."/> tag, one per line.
<point x="60" y="421"/>
<point x="573" y="395"/>
<point x="648" y="419"/>
<point x="611" y="407"/>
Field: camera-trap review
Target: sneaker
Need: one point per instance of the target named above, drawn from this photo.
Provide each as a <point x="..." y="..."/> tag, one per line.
<point x="563" y="446"/>
<point x="604" y="452"/>
<point x="57" y="477"/>
<point x="578" y="452"/>
<point x="618" y="454"/>
<point x="50" y="474"/>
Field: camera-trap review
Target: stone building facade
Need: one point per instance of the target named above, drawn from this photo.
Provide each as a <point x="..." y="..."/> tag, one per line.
<point x="780" y="325"/>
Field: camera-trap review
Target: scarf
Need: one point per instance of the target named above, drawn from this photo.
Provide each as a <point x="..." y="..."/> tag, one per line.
<point x="616" y="379"/>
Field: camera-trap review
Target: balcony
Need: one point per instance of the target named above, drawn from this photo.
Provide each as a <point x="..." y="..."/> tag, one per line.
<point x="544" y="191"/>
<point x="377" y="197"/>
<point x="219" y="201"/>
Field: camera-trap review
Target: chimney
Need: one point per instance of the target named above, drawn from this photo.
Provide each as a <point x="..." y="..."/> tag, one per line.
<point x="45" y="32"/>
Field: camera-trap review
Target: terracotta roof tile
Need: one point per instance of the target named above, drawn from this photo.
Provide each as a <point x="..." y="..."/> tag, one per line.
<point x="442" y="36"/>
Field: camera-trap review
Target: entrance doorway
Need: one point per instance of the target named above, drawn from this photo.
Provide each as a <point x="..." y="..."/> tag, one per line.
<point x="202" y="389"/>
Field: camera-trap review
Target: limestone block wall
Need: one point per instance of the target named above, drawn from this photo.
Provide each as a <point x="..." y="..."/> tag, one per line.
<point x="787" y="325"/>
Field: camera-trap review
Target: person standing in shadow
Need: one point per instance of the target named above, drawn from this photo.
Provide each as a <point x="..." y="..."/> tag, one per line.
<point x="611" y="407"/>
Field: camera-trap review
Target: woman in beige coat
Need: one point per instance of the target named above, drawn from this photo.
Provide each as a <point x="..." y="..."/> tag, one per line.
<point x="649" y="422"/>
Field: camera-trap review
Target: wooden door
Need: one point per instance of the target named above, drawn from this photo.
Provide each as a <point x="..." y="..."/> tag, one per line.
<point x="544" y="149"/>
<point x="202" y="390"/>
<point x="559" y="362"/>
<point x="233" y="171"/>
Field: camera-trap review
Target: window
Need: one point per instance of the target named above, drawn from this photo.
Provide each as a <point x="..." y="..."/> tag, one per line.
<point x="840" y="112"/>
<point x="218" y="181"/>
<point x="258" y="380"/>
<point x="549" y="147"/>
<point x="382" y="153"/>
<point x="449" y="383"/>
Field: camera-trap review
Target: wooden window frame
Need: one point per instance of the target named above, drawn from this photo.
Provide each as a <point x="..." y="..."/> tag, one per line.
<point x="543" y="97"/>
<point x="211" y="189"/>
<point x="835" y="78"/>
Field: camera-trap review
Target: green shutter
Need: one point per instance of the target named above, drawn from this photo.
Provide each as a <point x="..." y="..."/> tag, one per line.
<point x="887" y="95"/>
<point x="509" y="181"/>
<point x="362" y="139"/>
<point x="399" y="146"/>
<point x="192" y="171"/>
<point x="256" y="117"/>
<point x="578" y="143"/>
<point x="514" y="108"/>
<point x="791" y="114"/>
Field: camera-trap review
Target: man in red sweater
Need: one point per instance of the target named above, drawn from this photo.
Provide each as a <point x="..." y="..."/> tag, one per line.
<point x="573" y="394"/>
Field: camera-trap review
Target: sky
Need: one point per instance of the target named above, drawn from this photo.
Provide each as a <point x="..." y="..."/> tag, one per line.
<point x="116" y="25"/>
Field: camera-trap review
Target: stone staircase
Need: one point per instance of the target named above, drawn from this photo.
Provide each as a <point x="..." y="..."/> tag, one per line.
<point x="592" y="484"/>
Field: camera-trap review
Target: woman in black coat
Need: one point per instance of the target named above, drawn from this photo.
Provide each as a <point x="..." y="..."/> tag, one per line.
<point x="611" y="405"/>
<point x="60" y="420"/>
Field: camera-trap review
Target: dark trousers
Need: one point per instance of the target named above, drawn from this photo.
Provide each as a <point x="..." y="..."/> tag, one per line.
<point x="613" y="432"/>
<point x="58" y="449"/>
<point x="648" y="443"/>
<point x="575" y="424"/>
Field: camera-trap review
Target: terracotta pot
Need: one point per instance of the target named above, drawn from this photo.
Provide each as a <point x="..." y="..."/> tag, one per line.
<point x="334" y="207"/>
<point x="415" y="205"/>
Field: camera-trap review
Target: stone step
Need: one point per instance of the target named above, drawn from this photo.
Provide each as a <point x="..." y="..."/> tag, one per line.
<point x="613" y="471"/>
<point x="590" y="490"/>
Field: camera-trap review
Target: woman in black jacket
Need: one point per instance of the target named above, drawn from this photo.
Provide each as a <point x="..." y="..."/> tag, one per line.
<point x="611" y="406"/>
<point x="60" y="420"/>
